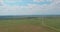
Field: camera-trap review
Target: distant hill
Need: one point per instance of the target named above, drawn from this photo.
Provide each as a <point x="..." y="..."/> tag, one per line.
<point x="27" y="16"/>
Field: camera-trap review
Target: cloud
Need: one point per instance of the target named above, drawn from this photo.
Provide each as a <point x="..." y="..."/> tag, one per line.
<point x="38" y="0"/>
<point x="31" y="9"/>
<point x="24" y="10"/>
<point x="42" y="0"/>
<point x="53" y="8"/>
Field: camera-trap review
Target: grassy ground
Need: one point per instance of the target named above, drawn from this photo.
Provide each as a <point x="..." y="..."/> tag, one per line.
<point x="53" y="22"/>
<point x="24" y="25"/>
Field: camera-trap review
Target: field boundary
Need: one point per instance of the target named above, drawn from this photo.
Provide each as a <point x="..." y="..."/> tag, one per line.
<point x="50" y="26"/>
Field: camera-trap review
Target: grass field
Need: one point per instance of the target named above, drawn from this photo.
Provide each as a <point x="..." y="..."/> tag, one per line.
<point x="29" y="25"/>
<point x="53" y="22"/>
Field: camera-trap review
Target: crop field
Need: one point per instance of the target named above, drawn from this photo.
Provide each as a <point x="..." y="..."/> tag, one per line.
<point x="30" y="25"/>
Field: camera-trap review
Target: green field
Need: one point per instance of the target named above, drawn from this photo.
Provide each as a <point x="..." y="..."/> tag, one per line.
<point x="29" y="25"/>
<point x="53" y="22"/>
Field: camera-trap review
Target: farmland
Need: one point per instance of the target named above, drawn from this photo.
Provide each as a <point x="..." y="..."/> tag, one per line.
<point x="30" y="24"/>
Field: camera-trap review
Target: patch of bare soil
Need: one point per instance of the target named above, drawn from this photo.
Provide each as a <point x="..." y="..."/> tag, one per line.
<point x="28" y="28"/>
<point x="3" y="29"/>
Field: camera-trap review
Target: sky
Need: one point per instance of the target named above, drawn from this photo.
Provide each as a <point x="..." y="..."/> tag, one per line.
<point x="29" y="7"/>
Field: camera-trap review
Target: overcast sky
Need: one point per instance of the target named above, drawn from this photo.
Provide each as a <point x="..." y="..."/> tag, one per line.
<point x="29" y="7"/>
